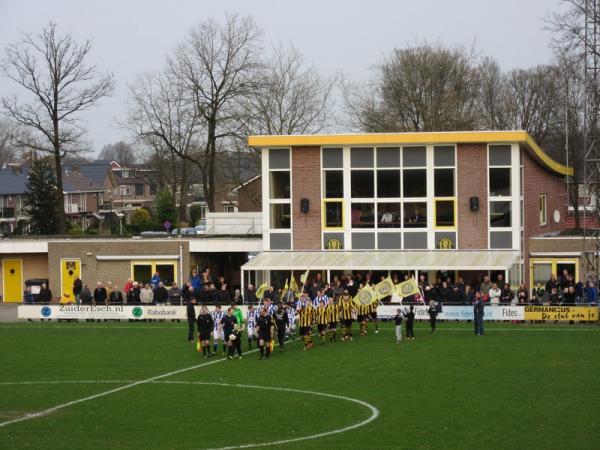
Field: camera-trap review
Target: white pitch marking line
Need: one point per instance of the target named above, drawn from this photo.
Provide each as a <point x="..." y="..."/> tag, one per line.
<point x="372" y="417"/>
<point x="45" y="412"/>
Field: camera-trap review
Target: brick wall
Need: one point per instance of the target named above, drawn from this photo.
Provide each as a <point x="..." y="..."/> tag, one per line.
<point x="250" y="196"/>
<point x="306" y="183"/>
<point x="116" y="271"/>
<point x="471" y="167"/>
<point x="537" y="181"/>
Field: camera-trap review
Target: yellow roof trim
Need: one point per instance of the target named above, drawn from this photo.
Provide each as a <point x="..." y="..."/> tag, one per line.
<point x="442" y="137"/>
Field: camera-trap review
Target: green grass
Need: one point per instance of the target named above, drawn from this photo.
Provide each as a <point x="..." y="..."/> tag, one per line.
<point x="519" y="386"/>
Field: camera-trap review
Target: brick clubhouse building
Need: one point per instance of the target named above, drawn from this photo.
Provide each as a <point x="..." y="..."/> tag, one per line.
<point x="442" y="203"/>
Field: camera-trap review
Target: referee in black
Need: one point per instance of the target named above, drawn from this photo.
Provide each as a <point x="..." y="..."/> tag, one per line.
<point x="264" y="327"/>
<point x="281" y="320"/>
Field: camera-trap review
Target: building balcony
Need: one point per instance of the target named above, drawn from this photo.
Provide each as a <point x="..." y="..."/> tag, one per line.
<point x="240" y="223"/>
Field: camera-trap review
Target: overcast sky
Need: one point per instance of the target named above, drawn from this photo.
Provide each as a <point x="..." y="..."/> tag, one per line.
<point x="131" y="37"/>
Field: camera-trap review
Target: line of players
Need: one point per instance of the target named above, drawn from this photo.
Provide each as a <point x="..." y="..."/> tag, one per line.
<point x="268" y="321"/>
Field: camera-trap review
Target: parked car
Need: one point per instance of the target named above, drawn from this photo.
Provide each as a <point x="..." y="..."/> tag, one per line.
<point x="201" y="227"/>
<point x="151" y="234"/>
<point x="184" y="231"/>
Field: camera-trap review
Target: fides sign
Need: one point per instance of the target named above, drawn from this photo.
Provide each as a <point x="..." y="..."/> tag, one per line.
<point x="587" y="313"/>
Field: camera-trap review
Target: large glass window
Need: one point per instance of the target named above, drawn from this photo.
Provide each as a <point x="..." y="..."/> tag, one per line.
<point x="362" y="184"/>
<point x="414" y="183"/>
<point x="142" y="272"/>
<point x="444" y="182"/>
<point x="500" y="214"/>
<point x="334" y="183"/>
<point x="388" y="157"/>
<point x="443" y="155"/>
<point x="166" y="272"/>
<point x="279" y="158"/>
<point x="500" y="182"/>
<point x="415" y="215"/>
<point x="414" y="157"/>
<point x="361" y="157"/>
<point x="280" y="215"/>
<point x="500" y="155"/>
<point x="280" y="184"/>
<point x="332" y="158"/>
<point x="363" y="215"/>
<point x="444" y="213"/>
<point x="388" y="215"/>
<point x="388" y="183"/>
<point x="334" y="214"/>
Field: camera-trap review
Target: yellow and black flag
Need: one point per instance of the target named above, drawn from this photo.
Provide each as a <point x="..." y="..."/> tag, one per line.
<point x="384" y="288"/>
<point x="365" y="296"/>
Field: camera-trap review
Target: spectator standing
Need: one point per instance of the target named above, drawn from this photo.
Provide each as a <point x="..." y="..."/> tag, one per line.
<point x="174" y="295"/>
<point x="591" y="293"/>
<point x="86" y="295"/>
<point x="100" y="295"/>
<point x="28" y="296"/>
<point x="433" y="312"/>
<point x="469" y="295"/>
<point x="133" y="295"/>
<point x="128" y="285"/>
<point x="161" y="295"/>
<point x="410" y="323"/>
<point x="522" y="295"/>
<point x="146" y="295"/>
<point x="478" y="311"/>
<point x="45" y="295"/>
<point x="506" y="295"/>
<point x="237" y="297"/>
<point x="77" y="288"/>
<point x="155" y="280"/>
<point x="109" y="290"/>
<point x="223" y="295"/>
<point x="485" y="287"/>
<point x="115" y="296"/>
<point x="250" y="296"/>
<point x="494" y="295"/>
<point x="196" y="282"/>
<point x="191" y="318"/>
<point x="398" y="323"/>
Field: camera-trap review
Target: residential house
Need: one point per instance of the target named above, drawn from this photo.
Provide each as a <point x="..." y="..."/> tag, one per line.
<point x="13" y="182"/>
<point x="83" y="198"/>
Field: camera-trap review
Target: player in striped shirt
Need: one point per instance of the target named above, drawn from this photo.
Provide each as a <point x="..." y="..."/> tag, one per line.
<point x="373" y="314"/>
<point x="251" y="316"/>
<point x="218" y="330"/>
<point x="362" y="313"/>
<point x="322" y="320"/>
<point x="333" y="315"/>
<point x="291" y="312"/>
<point x="321" y="297"/>
<point x="306" y="321"/>
<point x="347" y="312"/>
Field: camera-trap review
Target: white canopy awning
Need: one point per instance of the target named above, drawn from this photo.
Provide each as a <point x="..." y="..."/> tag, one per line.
<point x="385" y="260"/>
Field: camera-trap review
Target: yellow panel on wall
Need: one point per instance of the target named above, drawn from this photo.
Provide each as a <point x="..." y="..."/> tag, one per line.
<point x="12" y="280"/>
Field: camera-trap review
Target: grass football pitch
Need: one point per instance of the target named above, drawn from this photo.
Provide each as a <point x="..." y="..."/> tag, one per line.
<point x="142" y="386"/>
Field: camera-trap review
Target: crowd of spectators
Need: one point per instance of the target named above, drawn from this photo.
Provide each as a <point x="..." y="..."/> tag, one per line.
<point x="492" y="290"/>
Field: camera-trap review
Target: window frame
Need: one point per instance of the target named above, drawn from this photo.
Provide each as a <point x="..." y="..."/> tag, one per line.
<point x="543" y="210"/>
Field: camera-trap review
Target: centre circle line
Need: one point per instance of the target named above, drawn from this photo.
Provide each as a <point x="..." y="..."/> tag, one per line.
<point x="374" y="411"/>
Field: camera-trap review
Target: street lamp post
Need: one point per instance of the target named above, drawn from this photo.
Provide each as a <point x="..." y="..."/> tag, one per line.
<point x="120" y="215"/>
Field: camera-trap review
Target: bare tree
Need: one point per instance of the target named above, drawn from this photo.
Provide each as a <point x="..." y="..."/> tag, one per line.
<point x="121" y="152"/>
<point x="290" y="98"/>
<point x="217" y="66"/>
<point x="164" y="117"/>
<point x="8" y="148"/>
<point x="422" y="88"/>
<point x="52" y="70"/>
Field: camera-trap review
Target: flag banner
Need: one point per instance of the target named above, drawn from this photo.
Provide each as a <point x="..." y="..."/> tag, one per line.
<point x="271" y="344"/>
<point x="384" y="288"/>
<point x="407" y="288"/>
<point x="261" y="290"/>
<point x="198" y="346"/>
<point x="304" y="276"/>
<point x="294" y="288"/>
<point x="365" y="296"/>
<point x="285" y="289"/>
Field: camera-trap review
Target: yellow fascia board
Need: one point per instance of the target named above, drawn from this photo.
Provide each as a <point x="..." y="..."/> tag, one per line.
<point x="414" y="138"/>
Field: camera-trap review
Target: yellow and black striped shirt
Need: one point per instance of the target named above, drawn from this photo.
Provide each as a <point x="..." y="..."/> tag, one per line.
<point x="363" y="310"/>
<point x="322" y="315"/>
<point x="374" y="306"/>
<point x="306" y="316"/>
<point x="346" y="308"/>
<point x="333" y="312"/>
